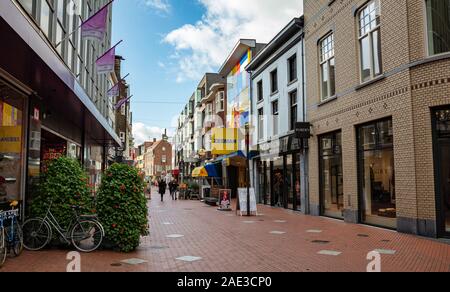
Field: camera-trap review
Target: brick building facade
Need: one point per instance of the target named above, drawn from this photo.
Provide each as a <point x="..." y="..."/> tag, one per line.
<point x="158" y="159"/>
<point x="378" y="99"/>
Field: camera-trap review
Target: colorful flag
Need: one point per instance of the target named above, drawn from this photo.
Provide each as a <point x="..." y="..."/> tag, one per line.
<point x="95" y="27"/>
<point x="122" y="102"/>
<point x="106" y="63"/>
<point x="114" y="91"/>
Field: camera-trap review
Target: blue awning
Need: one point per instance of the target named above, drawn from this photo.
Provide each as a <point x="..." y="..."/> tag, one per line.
<point x="214" y="170"/>
<point x="239" y="153"/>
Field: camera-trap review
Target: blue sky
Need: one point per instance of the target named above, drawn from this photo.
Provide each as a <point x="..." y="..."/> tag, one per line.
<point x="169" y="44"/>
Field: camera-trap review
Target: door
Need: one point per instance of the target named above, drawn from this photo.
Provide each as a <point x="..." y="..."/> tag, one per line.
<point x="442" y="159"/>
<point x="444" y="182"/>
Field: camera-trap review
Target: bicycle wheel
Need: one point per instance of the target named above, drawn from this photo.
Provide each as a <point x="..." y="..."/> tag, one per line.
<point x="3" y="248"/>
<point x="87" y="235"/>
<point x="17" y="241"/>
<point x="36" y="233"/>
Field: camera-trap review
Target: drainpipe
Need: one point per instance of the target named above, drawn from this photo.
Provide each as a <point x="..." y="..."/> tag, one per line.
<point x="306" y="154"/>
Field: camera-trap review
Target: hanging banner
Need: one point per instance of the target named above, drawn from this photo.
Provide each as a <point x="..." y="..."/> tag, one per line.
<point x="114" y="91"/>
<point x="106" y="63"/>
<point x="95" y="27"/>
<point x="122" y="102"/>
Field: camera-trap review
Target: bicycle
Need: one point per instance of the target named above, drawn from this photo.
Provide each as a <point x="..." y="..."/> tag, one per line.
<point x="11" y="236"/>
<point x="85" y="232"/>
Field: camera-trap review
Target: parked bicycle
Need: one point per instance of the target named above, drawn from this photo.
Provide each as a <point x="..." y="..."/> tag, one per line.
<point x="11" y="237"/>
<point x="85" y="232"/>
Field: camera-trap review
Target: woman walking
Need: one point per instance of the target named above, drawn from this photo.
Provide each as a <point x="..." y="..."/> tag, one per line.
<point x="162" y="189"/>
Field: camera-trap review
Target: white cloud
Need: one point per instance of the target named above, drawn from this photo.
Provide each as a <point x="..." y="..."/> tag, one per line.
<point x="203" y="46"/>
<point x="162" y="6"/>
<point x="143" y="133"/>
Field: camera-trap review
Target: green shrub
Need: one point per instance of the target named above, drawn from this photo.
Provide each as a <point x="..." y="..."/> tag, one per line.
<point x="65" y="184"/>
<point x="122" y="207"/>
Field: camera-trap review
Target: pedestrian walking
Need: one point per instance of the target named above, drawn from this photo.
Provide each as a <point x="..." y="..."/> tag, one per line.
<point x="162" y="189"/>
<point x="173" y="187"/>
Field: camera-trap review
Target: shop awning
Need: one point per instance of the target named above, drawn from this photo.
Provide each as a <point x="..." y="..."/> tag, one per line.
<point x="199" y="172"/>
<point x="237" y="154"/>
<point x="213" y="170"/>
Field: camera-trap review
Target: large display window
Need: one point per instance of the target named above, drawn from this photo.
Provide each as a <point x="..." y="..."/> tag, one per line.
<point x="442" y="160"/>
<point x="377" y="174"/>
<point x="12" y="121"/>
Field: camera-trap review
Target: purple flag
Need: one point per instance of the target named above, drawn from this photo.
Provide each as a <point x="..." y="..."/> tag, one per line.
<point x="114" y="91"/>
<point x="94" y="28"/>
<point x="122" y="102"/>
<point x="105" y="64"/>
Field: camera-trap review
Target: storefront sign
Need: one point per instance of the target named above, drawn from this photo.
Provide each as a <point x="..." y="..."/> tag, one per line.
<point x="224" y="141"/>
<point x="10" y="139"/>
<point x="303" y="130"/>
<point x="243" y="194"/>
<point x="36" y="114"/>
<point x="224" y="200"/>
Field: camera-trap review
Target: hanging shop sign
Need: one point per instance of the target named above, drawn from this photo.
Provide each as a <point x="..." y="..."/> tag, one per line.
<point x="303" y="130"/>
<point x="224" y="141"/>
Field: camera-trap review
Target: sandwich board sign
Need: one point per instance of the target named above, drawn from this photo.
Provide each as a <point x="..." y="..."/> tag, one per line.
<point x="242" y="204"/>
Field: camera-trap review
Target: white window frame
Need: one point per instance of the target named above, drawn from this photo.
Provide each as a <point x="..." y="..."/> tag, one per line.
<point x="261" y="124"/>
<point x="326" y="59"/>
<point x="276" y="118"/>
<point x="369" y="34"/>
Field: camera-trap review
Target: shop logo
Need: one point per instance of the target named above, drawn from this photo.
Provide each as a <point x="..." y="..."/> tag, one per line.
<point x="74" y="266"/>
<point x="374" y="265"/>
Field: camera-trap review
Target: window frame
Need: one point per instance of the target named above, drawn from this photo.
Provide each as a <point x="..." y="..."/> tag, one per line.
<point x="260" y="90"/>
<point x="291" y="78"/>
<point x="276" y="117"/>
<point x="291" y="107"/>
<point x="274" y="81"/>
<point x="261" y="124"/>
<point x="327" y="61"/>
<point x="370" y="35"/>
<point x="427" y="30"/>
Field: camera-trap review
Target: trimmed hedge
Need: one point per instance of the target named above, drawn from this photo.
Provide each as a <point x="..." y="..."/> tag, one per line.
<point x="122" y="206"/>
<point x="65" y="184"/>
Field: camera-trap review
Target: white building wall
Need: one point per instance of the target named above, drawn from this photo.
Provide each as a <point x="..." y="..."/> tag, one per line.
<point x="284" y="89"/>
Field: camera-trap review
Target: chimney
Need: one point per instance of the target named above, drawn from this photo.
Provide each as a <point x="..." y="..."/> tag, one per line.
<point x="154" y="140"/>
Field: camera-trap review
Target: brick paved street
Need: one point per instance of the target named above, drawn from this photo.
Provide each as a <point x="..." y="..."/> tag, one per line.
<point x="278" y="240"/>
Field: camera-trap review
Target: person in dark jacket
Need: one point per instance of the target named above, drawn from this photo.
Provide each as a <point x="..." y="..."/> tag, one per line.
<point x="162" y="189"/>
<point x="173" y="187"/>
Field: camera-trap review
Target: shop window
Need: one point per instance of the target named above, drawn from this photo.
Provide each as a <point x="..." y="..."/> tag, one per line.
<point x="12" y="105"/>
<point x="377" y="174"/>
<point x="438" y="25"/>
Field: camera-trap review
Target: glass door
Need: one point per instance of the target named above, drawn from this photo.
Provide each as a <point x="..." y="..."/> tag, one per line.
<point x="331" y="176"/>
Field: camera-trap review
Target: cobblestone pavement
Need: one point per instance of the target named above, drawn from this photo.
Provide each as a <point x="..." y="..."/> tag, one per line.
<point x="189" y="236"/>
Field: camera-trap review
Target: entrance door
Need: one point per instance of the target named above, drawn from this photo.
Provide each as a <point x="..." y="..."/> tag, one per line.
<point x="442" y="130"/>
<point x="278" y="183"/>
<point x="331" y="176"/>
